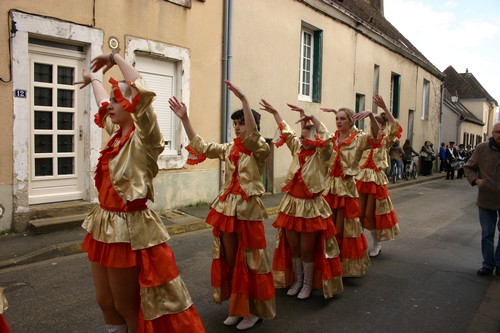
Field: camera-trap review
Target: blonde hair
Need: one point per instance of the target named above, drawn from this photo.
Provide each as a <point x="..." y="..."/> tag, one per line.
<point x="350" y="114"/>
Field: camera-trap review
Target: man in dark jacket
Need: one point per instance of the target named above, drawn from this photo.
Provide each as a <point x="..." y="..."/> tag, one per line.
<point x="451" y="156"/>
<point x="483" y="170"/>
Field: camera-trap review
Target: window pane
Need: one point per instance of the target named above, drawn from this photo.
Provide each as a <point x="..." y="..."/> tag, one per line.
<point x="43" y="73"/>
<point x="65" y="166"/>
<point x="65" y="143"/>
<point x="43" y="167"/>
<point x="43" y="143"/>
<point x="43" y="120"/>
<point x="43" y="96"/>
<point x="65" y="121"/>
<point x="65" y="75"/>
<point x="65" y="98"/>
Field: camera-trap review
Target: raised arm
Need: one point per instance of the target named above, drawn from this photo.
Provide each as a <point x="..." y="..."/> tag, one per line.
<point x="180" y="111"/>
<point x="250" y="124"/>
<point x="379" y="101"/>
<point x="301" y="112"/>
<point x="100" y="93"/>
<point x="373" y="121"/>
<point x="264" y="105"/>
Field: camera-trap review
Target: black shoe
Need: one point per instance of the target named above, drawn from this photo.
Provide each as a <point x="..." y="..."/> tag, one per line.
<point x="485" y="271"/>
<point x="497" y="271"/>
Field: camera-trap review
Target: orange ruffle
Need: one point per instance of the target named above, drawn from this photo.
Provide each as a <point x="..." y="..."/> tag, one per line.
<point x="116" y="255"/>
<point x="252" y="234"/>
<point x="382" y="192"/>
<point x="352" y="248"/>
<point x="386" y="221"/>
<point x="350" y="205"/>
<point x="194" y="158"/>
<point x="187" y="321"/>
<point x="366" y="187"/>
<point x="4" y="328"/>
<point x="301" y="224"/>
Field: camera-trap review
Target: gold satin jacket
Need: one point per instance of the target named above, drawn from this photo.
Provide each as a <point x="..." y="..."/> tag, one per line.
<point x="133" y="169"/>
<point x="314" y="169"/>
<point x="250" y="167"/>
<point x="350" y="151"/>
<point x="380" y="152"/>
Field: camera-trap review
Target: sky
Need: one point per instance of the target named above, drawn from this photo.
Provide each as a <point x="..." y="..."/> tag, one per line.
<point x="460" y="33"/>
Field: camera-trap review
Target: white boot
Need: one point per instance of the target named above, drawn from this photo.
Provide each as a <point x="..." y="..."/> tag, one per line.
<point x="117" y="328"/>
<point x="232" y="320"/>
<point x="248" y="323"/>
<point x="377" y="247"/>
<point x="307" y="287"/>
<point x="298" y="271"/>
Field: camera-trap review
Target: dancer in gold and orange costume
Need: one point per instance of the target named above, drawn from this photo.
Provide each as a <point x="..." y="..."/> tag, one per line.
<point x="241" y="269"/>
<point x="138" y="286"/>
<point x="348" y="144"/>
<point x="4" y="328"/>
<point x="375" y="204"/>
<point x="306" y="254"/>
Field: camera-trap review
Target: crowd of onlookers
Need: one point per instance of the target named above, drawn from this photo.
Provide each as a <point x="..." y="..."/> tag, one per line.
<point x="449" y="160"/>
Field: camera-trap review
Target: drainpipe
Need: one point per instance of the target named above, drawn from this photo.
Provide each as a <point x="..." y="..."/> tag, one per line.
<point x="441" y="115"/>
<point x="226" y="75"/>
<point x="226" y="70"/>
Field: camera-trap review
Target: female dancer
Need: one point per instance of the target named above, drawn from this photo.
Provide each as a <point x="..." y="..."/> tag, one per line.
<point x="348" y="144"/>
<point x="4" y="328"/>
<point x="376" y="208"/>
<point x="241" y="269"/>
<point x="138" y="286"/>
<point x="306" y="234"/>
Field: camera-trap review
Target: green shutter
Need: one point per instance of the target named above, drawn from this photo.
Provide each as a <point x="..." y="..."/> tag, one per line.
<point x="317" y="64"/>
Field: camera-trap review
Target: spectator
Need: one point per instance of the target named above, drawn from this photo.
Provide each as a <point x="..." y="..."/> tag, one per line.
<point x="483" y="170"/>
<point x="426" y="154"/>
<point x="396" y="153"/>
<point x="408" y="153"/>
<point x="442" y="157"/>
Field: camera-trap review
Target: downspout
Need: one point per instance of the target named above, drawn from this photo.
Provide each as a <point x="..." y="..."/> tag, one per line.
<point x="441" y="114"/>
<point x="226" y="75"/>
<point x="226" y="70"/>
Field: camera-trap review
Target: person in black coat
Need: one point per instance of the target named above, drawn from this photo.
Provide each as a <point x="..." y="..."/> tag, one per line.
<point x="451" y="156"/>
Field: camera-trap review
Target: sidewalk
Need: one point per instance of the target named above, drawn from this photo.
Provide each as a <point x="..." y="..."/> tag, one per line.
<point x="18" y="249"/>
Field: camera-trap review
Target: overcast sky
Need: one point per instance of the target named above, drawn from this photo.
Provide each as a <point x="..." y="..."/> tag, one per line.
<point x="460" y="33"/>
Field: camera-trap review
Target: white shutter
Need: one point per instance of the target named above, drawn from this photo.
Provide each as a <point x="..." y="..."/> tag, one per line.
<point x="159" y="77"/>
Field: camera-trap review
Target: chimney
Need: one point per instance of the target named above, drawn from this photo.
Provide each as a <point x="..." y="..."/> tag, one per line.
<point x="378" y="5"/>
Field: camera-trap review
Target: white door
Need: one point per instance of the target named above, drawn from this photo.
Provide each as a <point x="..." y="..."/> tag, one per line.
<point x="56" y="140"/>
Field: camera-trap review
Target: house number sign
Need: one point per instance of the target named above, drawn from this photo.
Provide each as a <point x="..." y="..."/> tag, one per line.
<point x="20" y="93"/>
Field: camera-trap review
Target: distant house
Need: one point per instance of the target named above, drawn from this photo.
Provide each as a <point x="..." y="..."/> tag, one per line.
<point x="468" y="109"/>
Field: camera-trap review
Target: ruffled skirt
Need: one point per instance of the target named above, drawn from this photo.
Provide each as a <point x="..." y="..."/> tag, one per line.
<point x="249" y="287"/>
<point x="342" y="195"/>
<point x="308" y="215"/>
<point x="166" y="305"/>
<point x="386" y="221"/>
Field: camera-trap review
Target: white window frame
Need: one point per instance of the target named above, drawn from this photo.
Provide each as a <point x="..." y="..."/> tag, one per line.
<point x="176" y="157"/>
<point x="306" y="71"/>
